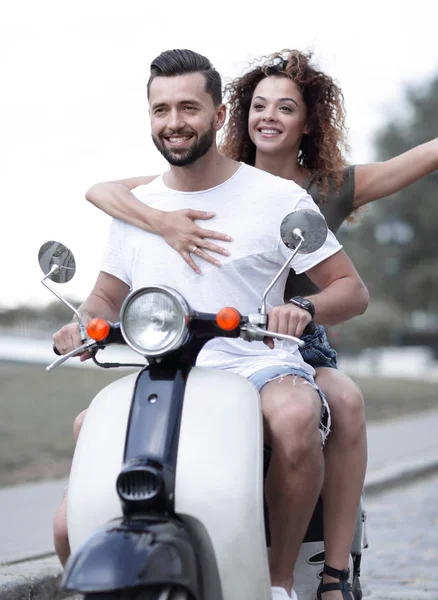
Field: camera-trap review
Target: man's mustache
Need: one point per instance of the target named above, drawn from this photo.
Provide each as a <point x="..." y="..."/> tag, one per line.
<point x="173" y="133"/>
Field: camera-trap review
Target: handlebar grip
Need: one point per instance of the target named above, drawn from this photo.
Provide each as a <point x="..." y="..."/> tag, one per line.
<point x="310" y="328"/>
<point x="56" y="351"/>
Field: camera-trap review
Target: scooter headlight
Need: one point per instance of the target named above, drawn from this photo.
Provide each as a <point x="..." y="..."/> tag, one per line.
<point x="154" y="320"/>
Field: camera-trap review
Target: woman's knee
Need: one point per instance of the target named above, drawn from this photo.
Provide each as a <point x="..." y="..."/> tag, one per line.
<point x="350" y="401"/>
<point x="77" y="424"/>
<point x="346" y="406"/>
<point x="343" y="395"/>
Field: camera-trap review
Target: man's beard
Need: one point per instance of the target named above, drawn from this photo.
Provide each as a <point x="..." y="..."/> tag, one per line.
<point x="182" y="158"/>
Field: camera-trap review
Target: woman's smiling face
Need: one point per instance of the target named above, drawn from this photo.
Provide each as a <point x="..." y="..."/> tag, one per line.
<point x="277" y="117"/>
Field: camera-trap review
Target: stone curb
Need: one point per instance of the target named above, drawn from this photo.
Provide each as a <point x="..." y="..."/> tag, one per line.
<point x="39" y="579"/>
<point x="31" y="580"/>
<point x="402" y="472"/>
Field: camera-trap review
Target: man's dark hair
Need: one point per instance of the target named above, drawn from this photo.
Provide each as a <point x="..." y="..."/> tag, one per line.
<point x="181" y="62"/>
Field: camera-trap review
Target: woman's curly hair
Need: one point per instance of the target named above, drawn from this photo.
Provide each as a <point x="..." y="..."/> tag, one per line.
<point x="322" y="149"/>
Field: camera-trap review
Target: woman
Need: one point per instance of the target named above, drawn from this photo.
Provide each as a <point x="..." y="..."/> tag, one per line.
<point x="287" y="118"/>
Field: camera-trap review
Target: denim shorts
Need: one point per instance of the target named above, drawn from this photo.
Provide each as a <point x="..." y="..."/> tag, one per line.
<point x="260" y="378"/>
<point x="317" y="351"/>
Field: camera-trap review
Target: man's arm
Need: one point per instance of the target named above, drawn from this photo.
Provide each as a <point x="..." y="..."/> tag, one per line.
<point x="343" y="295"/>
<point x="105" y="300"/>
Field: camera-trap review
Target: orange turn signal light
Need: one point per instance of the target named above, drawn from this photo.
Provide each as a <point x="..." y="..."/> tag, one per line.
<point x="98" y="329"/>
<point x="228" y="318"/>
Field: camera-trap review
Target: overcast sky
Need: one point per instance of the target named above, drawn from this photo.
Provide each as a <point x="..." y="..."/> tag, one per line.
<point x="73" y="105"/>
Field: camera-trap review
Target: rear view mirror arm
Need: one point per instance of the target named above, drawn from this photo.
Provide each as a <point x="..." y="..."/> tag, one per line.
<point x="297" y="233"/>
<point x="54" y="269"/>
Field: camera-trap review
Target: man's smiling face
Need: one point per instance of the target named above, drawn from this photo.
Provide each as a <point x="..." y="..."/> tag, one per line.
<point x="183" y="117"/>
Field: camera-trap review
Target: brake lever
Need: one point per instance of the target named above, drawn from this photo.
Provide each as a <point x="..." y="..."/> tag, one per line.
<point x="87" y="346"/>
<point x="252" y="333"/>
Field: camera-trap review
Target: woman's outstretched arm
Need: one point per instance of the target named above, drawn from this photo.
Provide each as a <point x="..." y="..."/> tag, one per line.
<point x="177" y="228"/>
<point x="381" y="179"/>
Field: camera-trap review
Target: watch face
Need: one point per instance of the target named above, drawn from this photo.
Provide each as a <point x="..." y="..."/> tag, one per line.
<point x="304" y="303"/>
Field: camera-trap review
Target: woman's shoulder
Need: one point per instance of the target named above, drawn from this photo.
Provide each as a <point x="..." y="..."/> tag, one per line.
<point x="339" y="187"/>
<point x="336" y="201"/>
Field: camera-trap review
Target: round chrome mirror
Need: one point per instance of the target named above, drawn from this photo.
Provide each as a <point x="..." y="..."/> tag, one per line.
<point x="310" y="224"/>
<point x="54" y="253"/>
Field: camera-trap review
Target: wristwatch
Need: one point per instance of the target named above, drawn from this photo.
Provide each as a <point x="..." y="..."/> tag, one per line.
<point x="303" y="303"/>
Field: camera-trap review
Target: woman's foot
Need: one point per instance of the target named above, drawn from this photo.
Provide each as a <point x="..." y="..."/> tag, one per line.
<point x="335" y="585"/>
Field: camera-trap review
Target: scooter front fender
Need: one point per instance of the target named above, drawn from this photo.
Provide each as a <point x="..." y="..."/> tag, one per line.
<point x="128" y="553"/>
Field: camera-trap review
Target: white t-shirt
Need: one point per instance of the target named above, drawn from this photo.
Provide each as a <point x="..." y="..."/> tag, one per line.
<point x="250" y="207"/>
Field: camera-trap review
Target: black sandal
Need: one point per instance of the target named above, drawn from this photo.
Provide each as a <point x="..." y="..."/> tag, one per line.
<point x="344" y="585"/>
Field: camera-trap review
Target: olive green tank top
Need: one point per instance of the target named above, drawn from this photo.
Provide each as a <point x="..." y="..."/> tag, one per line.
<point x="336" y="207"/>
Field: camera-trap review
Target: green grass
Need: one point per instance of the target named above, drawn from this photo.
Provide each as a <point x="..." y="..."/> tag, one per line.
<point x="38" y="409"/>
<point x="388" y="398"/>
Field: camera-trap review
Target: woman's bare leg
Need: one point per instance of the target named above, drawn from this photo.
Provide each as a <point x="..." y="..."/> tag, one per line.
<point x="345" y="466"/>
<point x="60" y="534"/>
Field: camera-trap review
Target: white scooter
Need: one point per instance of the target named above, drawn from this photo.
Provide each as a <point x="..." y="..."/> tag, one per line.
<point x="166" y="487"/>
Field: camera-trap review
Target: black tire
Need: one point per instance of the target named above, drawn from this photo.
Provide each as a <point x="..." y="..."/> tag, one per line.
<point x="152" y="593"/>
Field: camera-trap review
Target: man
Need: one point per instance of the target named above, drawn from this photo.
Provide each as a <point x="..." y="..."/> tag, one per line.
<point x="186" y="111"/>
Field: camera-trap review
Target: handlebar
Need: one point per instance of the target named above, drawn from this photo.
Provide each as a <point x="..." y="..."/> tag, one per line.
<point x="114" y="337"/>
<point x="202" y="325"/>
<point x="310" y="328"/>
<point x="254" y="327"/>
<point x="76" y="351"/>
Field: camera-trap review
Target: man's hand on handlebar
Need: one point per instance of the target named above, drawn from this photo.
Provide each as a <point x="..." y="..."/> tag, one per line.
<point x="288" y="319"/>
<point x="67" y="339"/>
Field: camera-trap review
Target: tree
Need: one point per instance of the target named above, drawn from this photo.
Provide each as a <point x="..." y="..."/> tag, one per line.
<point x="27" y="319"/>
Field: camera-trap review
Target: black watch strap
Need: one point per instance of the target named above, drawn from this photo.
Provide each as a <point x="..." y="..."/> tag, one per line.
<point x="303" y="303"/>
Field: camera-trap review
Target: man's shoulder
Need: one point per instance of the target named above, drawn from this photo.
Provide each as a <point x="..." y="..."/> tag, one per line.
<point x="274" y="182"/>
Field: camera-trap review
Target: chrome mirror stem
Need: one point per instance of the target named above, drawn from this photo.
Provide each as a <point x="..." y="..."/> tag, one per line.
<point x="297" y="233"/>
<point x="82" y="329"/>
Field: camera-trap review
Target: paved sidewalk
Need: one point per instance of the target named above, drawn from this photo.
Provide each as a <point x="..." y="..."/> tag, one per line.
<point x="400" y="563"/>
<point x="401" y="449"/>
<point x="26" y="515"/>
<point x="398" y="450"/>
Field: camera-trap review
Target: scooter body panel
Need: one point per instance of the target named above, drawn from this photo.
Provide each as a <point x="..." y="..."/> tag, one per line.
<point x="97" y="461"/>
<point x="220" y="477"/>
<point x="218" y="484"/>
